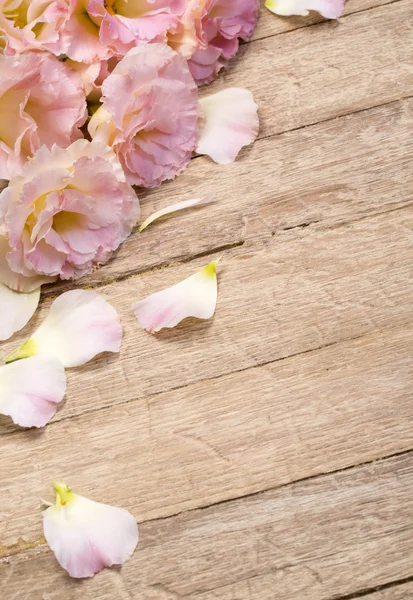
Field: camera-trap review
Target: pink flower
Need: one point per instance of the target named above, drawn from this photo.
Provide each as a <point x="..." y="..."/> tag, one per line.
<point x="67" y="212"/>
<point x="41" y="102"/>
<point x="149" y="114"/>
<point x="100" y="29"/>
<point x="36" y="24"/>
<point x="209" y="34"/>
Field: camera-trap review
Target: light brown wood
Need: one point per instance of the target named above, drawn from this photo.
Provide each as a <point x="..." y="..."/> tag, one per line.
<point x="270" y="24"/>
<point x="221" y="439"/>
<point x="300" y="290"/>
<point x="315" y="540"/>
<point x="324" y="175"/>
<point x="306" y="369"/>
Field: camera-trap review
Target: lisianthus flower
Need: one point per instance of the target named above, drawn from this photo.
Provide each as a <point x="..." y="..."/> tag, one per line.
<point x="87" y="536"/>
<point x="41" y="102"/>
<point x="229" y="121"/>
<point x="34" y="24"/>
<point x="196" y="297"/>
<point x="174" y="208"/>
<point x="30" y="390"/>
<point x="149" y="114"/>
<point x="329" y="9"/>
<point x="67" y="212"/>
<point x="92" y="75"/>
<point x="80" y="324"/>
<point x="209" y="32"/>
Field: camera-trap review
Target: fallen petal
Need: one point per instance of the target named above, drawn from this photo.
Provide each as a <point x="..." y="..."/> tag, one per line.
<point x="174" y="208"/>
<point x="16" y="309"/>
<point x="30" y="390"/>
<point x="87" y="536"/>
<point x="329" y="9"/>
<point x="80" y="324"/>
<point x="193" y="297"/>
<point x="230" y="121"/>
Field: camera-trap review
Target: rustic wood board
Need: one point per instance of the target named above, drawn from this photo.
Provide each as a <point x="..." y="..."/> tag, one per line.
<point x="306" y="369"/>
<point x="324" y="538"/>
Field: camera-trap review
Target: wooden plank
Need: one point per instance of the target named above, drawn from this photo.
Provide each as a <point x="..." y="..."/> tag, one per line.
<point x="318" y="73"/>
<point x="329" y="173"/>
<point x="270" y="24"/>
<point x="403" y="591"/>
<point x="217" y="440"/>
<point x="300" y="290"/>
<point x="320" y="539"/>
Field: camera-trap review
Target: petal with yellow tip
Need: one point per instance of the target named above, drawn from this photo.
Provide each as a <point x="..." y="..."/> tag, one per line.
<point x="31" y="389"/>
<point x="80" y="324"/>
<point x="175" y="208"/>
<point x="87" y="536"/>
<point x="329" y="9"/>
<point x="195" y="296"/>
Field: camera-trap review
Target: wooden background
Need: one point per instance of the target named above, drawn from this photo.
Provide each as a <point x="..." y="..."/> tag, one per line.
<point x="268" y="453"/>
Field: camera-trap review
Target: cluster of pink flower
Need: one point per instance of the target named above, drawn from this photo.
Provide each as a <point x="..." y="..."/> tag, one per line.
<point x="135" y="66"/>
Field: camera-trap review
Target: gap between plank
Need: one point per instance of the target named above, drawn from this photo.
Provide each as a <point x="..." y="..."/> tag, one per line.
<point x="372" y="590"/>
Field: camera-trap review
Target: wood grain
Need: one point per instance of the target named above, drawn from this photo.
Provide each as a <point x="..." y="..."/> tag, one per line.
<point x="270" y="24"/>
<point x="324" y="175"/>
<point x="403" y="591"/>
<point x="320" y="539"/>
<point x="217" y="440"/>
<point x="300" y="290"/>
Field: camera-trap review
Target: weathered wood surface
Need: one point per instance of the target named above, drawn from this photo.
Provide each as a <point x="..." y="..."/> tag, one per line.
<point x="217" y="440"/>
<point x="306" y="369"/>
<point x="319" y="539"/>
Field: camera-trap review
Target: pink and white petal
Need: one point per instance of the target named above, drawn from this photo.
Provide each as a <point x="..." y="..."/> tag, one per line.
<point x="87" y="536"/>
<point x="175" y="208"/>
<point x="193" y="297"/>
<point x="30" y="390"/>
<point x="230" y="121"/>
<point x="16" y="310"/>
<point x="80" y="324"/>
<point x="329" y="9"/>
<point x="17" y="281"/>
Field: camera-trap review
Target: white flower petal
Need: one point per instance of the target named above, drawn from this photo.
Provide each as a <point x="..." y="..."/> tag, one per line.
<point x="16" y="309"/>
<point x="30" y="389"/>
<point x="87" y="536"/>
<point x="230" y="121"/>
<point x="80" y="324"/>
<point x="329" y="9"/>
<point x="174" y="208"/>
<point x="193" y="297"/>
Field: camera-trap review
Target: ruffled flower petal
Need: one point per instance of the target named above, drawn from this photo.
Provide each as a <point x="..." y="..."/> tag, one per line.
<point x="230" y="121"/>
<point x="16" y="309"/>
<point x="329" y="9"/>
<point x="87" y="536"/>
<point x="193" y="297"/>
<point x="30" y="389"/>
<point x="79" y="325"/>
<point x="174" y="208"/>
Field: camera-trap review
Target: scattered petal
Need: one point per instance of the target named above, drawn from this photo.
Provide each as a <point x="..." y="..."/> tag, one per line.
<point x="175" y="208"/>
<point x="193" y="297"/>
<point x="16" y="310"/>
<point x="87" y="536"/>
<point x="329" y="9"/>
<point x="30" y="390"/>
<point x="230" y="121"/>
<point x="79" y="325"/>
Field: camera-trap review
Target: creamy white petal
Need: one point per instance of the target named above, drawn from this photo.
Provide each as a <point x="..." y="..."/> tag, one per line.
<point x="193" y="297"/>
<point x="87" y="536"/>
<point x="30" y="389"/>
<point x="175" y="208"/>
<point x="329" y="9"/>
<point x="80" y="324"/>
<point x="230" y="121"/>
<point x="16" y="309"/>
